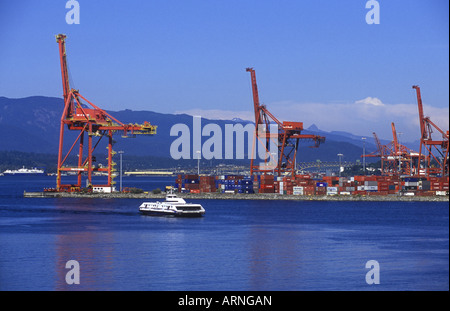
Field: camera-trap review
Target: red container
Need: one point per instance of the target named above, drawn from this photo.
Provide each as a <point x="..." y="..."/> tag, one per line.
<point x="308" y="191"/>
<point x="192" y="186"/>
<point x="267" y="186"/>
<point x="266" y="190"/>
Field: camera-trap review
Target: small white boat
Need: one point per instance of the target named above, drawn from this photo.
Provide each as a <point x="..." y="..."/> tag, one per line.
<point x="172" y="206"/>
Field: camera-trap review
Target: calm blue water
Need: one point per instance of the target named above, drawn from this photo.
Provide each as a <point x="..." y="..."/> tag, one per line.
<point x="238" y="245"/>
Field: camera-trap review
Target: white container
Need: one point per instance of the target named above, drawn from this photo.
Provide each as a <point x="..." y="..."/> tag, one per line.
<point x="297" y="190"/>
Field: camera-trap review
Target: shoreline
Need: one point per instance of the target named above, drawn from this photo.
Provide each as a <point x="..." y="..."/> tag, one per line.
<point x="239" y="196"/>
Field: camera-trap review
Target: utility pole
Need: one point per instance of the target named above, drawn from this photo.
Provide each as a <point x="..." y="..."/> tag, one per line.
<point x="364" y="155"/>
<point x="340" y="155"/>
<point x="399" y="155"/>
<point x="120" y="152"/>
<point x="198" y="162"/>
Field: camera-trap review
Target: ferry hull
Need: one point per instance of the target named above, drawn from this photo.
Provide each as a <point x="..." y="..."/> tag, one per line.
<point x="172" y="214"/>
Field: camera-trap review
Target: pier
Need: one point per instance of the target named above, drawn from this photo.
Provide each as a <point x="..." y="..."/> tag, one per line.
<point x="238" y="196"/>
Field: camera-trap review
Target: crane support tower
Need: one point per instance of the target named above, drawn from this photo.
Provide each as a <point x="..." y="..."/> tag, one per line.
<point x="287" y="138"/>
<point x="435" y="151"/>
<point x="81" y="115"/>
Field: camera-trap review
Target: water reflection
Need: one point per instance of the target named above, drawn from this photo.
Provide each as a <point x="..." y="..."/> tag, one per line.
<point x="85" y="242"/>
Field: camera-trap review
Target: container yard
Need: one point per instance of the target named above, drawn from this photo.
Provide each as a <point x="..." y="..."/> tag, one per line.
<point x="306" y="185"/>
<point x="404" y="172"/>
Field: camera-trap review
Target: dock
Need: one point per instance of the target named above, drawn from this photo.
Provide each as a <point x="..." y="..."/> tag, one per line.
<point x="238" y="196"/>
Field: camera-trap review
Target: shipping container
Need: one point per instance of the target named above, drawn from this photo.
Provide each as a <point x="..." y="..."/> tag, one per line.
<point x="297" y="191"/>
<point x="371" y="188"/>
<point x="410" y="179"/>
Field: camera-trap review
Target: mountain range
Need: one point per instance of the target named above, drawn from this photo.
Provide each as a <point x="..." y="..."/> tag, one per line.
<point x="32" y="124"/>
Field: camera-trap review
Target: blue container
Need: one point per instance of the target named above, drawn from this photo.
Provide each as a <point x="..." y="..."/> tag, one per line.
<point x="321" y="184"/>
<point x="411" y="179"/>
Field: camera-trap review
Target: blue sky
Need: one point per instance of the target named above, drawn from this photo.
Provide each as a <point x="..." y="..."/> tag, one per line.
<point x="316" y="61"/>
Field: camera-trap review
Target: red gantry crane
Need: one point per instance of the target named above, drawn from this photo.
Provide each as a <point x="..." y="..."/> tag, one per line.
<point x="434" y="152"/>
<point x="287" y="138"/>
<point x="405" y="160"/>
<point x="396" y="159"/>
<point x="381" y="152"/>
<point x="81" y="115"/>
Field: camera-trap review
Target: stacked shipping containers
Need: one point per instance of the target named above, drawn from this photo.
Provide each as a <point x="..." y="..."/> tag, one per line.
<point x="188" y="183"/>
<point x="266" y="184"/>
<point x="207" y="184"/>
<point x="305" y="185"/>
<point x="235" y="184"/>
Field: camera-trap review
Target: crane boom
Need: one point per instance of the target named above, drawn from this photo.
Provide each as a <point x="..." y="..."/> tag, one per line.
<point x="256" y="106"/>
<point x="394" y="135"/>
<point x="421" y="115"/>
<point x="61" y="39"/>
<point x="378" y="143"/>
